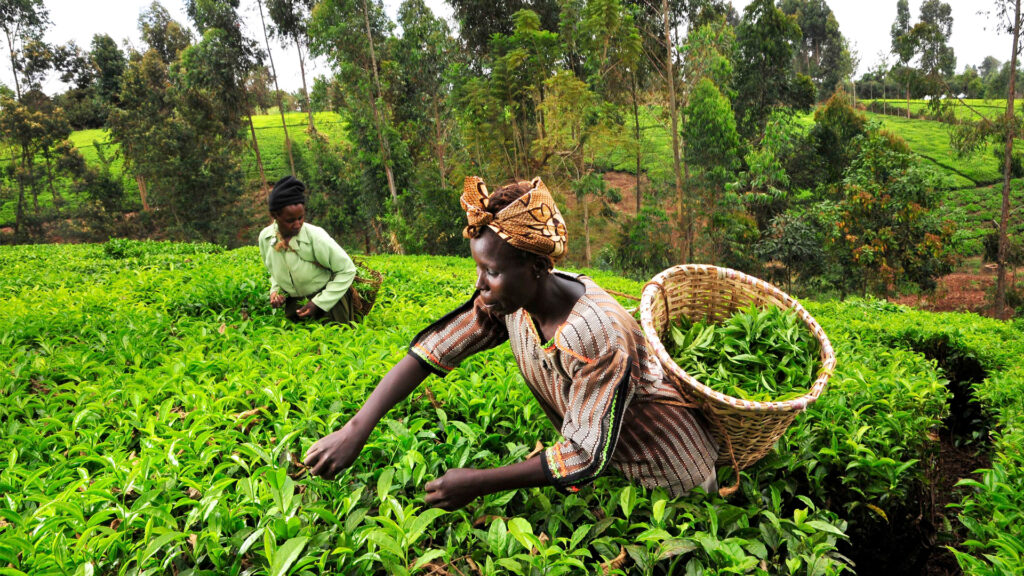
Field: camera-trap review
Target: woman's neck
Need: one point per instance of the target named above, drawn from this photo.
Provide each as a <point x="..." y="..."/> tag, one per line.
<point x="556" y="297"/>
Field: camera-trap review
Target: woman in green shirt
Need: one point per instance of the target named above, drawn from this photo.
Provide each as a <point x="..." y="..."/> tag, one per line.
<point x="310" y="274"/>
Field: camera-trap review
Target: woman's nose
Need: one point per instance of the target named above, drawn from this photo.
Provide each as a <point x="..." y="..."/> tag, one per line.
<point x="481" y="284"/>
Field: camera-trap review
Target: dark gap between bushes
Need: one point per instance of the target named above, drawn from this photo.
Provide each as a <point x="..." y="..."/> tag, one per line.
<point x="914" y="540"/>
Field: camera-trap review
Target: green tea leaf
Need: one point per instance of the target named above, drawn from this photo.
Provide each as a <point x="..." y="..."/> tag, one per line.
<point x="286" y="555"/>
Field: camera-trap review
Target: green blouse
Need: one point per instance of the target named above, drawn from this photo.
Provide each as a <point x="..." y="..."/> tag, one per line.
<point x="313" y="262"/>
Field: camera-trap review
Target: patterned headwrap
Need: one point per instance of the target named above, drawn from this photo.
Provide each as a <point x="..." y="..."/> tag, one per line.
<point x="531" y="222"/>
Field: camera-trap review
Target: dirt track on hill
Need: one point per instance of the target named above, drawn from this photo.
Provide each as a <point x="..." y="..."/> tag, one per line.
<point x="963" y="291"/>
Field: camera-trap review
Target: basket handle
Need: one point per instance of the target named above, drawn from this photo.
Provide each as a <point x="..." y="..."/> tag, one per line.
<point x="727" y="491"/>
<point x="664" y="294"/>
<point x="622" y="294"/>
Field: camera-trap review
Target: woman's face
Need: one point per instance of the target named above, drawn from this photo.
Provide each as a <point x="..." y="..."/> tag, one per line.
<point x="289" y="219"/>
<point x="506" y="281"/>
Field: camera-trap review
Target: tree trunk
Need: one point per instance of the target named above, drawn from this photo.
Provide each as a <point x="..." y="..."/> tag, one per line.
<point x="670" y="78"/>
<point x="586" y="232"/>
<point x="689" y="214"/>
<point x="1000" y="303"/>
<point x="256" y="148"/>
<point x="54" y="193"/>
<point x="636" y="129"/>
<point x="14" y="67"/>
<point x="140" y="180"/>
<point x="439" y="145"/>
<point x="277" y="91"/>
<point x="19" y="212"/>
<point x="385" y="148"/>
<point x="143" y="192"/>
<point x="27" y="161"/>
<point x="305" y="93"/>
<point x="908" y="97"/>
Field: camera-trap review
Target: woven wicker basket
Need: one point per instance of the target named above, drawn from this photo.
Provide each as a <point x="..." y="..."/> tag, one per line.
<point x="745" y="430"/>
<point x="364" y="290"/>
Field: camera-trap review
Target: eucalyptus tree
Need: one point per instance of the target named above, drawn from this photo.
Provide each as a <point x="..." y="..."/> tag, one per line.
<point x="350" y="33"/>
<point x="79" y="101"/>
<point x="1009" y="12"/>
<point x="570" y="108"/>
<point x="932" y="34"/>
<point x="291" y="21"/>
<point x="480" y="20"/>
<point x="141" y="122"/>
<point x="22" y="21"/>
<point x="94" y="79"/>
<point x="109" y="63"/>
<point x="766" y="40"/>
<point x="823" y="53"/>
<point x="903" y="46"/>
<point x="162" y="33"/>
<point x="211" y="105"/>
<point x="660" y="23"/>
<point x="713" y="149"/>
<point x="424" y="55"/>
<point x="233" y="59"/>
<point x="710" y="146"/>
<point x="502" y="113"/>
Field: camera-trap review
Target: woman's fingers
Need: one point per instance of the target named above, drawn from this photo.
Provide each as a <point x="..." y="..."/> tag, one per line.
<point x="324" y="469"/>
<point x="312" y="455"/>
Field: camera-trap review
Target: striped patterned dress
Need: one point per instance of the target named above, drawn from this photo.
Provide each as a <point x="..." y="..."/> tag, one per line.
<point x="598" y="383"/>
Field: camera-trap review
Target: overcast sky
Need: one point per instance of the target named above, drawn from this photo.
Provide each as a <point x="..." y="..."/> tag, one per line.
<point x="865" y="23"/>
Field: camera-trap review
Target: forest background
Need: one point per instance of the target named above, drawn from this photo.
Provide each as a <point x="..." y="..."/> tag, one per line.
<point x="671" y="131"/>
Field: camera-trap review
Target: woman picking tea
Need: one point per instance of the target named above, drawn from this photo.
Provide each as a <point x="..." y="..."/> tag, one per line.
<point x="582" y="355"/>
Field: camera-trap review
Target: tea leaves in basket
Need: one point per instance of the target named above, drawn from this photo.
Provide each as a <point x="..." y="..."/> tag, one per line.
<point x="762" y="355"/>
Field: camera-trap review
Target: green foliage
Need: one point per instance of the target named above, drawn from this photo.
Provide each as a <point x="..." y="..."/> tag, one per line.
<point x="708" y="54"/>
<point x="712" y="143"/>
<point x="41" y="159"/>
<point x="836" y="124"/>
<point x="796" y="240"/>
<point x="887" y="230"/>
<point x="931" y="35"/>
<point x="644" y="245"/>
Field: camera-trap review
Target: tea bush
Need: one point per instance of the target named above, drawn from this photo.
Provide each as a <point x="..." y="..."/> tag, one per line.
<point x="153" y="409"/>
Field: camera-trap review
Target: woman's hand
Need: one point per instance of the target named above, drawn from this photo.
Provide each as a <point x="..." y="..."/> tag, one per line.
<point x="336" y="451"/>
<point x="276" y="300"/>
<point x="307" y="310"/>
<point x="458" y="487"/>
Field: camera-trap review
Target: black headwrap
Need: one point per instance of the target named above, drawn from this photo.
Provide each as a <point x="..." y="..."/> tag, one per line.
<point x="287" y="191"/>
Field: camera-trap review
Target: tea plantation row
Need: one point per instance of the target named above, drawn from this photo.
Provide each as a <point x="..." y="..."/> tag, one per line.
<point x="153" y="409"/>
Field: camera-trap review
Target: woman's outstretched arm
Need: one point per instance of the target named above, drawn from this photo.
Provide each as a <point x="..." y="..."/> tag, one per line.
<point x="460" y="486"/>
<point x="338" y="450"/>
